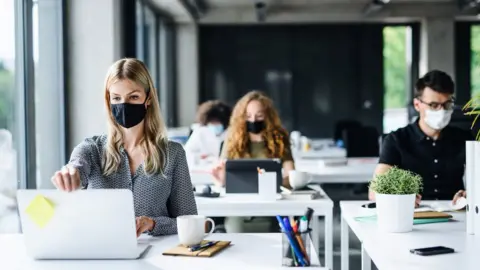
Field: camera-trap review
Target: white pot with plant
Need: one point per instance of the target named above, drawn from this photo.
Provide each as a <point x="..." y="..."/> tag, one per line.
<point x="395" y="193"/>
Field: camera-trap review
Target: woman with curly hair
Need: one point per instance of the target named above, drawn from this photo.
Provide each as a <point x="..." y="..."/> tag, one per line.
<point x="206" y="140"/>
<point x="255" y="132"/>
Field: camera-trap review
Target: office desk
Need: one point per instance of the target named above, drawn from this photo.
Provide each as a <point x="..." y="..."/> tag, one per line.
<point x="238" y="205"/>
<point x="390" y="251"/>
<point x="357" y="170"/>
<point x="327" y="152"/>
<point x="249" y="251"/>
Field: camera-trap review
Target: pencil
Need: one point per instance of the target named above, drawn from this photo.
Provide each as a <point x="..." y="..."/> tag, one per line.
<point x="300" y="243"/>
<point x="302" y="247"/>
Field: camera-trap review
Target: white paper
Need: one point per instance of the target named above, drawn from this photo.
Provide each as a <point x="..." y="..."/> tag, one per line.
<point x="443" y="206"/>
<point x="267" y="186"/>
<point x="469" y="184"/>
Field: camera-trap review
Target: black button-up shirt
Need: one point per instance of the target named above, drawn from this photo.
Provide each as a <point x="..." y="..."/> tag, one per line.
<point x="441" y="162"/>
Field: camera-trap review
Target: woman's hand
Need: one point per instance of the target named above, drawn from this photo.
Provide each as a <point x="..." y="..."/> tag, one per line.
<point x="67" y="179"/>
<point x="218" y="172"/>
<point x="458" y="195"/>
<point x="144" y="224"/>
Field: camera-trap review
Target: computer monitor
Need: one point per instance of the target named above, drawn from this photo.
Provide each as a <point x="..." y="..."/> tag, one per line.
<point x="242" y="174"/>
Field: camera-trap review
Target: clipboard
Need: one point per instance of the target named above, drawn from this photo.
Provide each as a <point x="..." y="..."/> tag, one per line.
<point x="182" y="250"/>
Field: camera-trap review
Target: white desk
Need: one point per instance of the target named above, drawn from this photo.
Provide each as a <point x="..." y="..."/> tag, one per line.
<point x="249" y="251"/>
<point x="390" y="251"/>
<point x="358" y="170"/>
<point x="238" y="205"/>
<point x="327" y="152"/>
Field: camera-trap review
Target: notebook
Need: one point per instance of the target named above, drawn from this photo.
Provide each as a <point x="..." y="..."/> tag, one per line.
<point x="416" y="221"/>
<point x="430" y="217"/>
<point x="182" y="250"/>
<point x="430" y="214"/>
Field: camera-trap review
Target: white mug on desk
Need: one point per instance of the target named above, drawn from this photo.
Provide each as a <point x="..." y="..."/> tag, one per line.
<point x="298" y="179"/>
<point x="191" y="229"/>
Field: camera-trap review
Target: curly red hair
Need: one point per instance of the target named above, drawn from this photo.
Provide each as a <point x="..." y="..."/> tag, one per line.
<point x="274" y="135"/>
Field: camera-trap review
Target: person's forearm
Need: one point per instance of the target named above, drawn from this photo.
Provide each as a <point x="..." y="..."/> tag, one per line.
<point x="286" y="182"/>
<point x="163" y="226"/>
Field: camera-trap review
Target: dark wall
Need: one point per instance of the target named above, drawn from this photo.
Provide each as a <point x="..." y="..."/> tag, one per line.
<point x="463" y="62"/>
<point x="316" y="74"/>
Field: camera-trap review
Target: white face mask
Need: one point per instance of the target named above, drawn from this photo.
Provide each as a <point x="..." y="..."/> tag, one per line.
<point x="438" y="119"/>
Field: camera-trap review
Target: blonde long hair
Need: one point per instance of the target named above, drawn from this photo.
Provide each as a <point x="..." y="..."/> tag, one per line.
<point x="155" y="141"/>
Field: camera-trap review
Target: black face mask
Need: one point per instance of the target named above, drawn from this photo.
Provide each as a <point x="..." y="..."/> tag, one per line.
<point x="255" y="127"/>
<point x="129" y="115"/>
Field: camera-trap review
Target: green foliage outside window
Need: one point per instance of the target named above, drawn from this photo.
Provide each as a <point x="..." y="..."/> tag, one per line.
<point x="395" y="67"/>
<point x="475" y="56"/>
<point x="6" y="96"/>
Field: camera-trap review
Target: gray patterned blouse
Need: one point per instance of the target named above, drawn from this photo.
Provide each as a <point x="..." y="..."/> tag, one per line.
<point x="161" y="198"/>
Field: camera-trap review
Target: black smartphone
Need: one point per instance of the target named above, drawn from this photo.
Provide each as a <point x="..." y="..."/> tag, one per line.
<point x="370" y="205"/>
<point x="432" y="251"/>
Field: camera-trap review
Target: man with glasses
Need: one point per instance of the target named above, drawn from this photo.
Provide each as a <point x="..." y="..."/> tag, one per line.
<point x="428" y="146"/>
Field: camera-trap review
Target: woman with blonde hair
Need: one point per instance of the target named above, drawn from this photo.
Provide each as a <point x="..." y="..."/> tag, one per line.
<point x="256" y="132"/>
<point x="135" y="154"/>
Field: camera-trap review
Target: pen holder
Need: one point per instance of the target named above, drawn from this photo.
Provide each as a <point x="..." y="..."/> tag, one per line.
<point x="296" y="249"/>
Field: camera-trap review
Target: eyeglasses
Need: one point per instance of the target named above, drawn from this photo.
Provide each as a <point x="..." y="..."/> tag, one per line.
<point x="447" y="105"/>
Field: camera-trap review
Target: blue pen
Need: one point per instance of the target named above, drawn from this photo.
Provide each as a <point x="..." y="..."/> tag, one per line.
<point x="293" y="242"/>
<point x="285" y="226"/>
<point x="289" y="228"/>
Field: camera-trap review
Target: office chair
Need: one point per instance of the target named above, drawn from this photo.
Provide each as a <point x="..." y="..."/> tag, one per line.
<point x="361" y="142"/>
<point x="462" y="121"/>
<point x="342" y="125"/>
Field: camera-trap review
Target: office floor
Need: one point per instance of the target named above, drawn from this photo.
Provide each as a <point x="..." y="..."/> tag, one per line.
<point x="339" y="192"/>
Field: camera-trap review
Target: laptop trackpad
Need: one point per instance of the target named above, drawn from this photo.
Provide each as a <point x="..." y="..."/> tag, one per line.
<point x="142" y="250"/>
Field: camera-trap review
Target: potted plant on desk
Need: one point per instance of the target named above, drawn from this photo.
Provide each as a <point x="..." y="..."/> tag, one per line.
<point x="395" y="193"/>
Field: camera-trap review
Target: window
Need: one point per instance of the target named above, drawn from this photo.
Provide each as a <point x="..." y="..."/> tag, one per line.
<point x="31" y="110"/>
<point x="151" y="44"/>
<point x="475" y="56"/>
<point x="140" y="18"/>
<point x="147" y="39"/>
<point x="396" y="56"/>
<point x="49" y="88"/>
<point x="155" y="46"/>
<point x="8" y="118"/>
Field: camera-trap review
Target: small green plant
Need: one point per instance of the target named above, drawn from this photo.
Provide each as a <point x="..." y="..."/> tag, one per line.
<point x="472" y="108"/>
<point x="397" y="182"/>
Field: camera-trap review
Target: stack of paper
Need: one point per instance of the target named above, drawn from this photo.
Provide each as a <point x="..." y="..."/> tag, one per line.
<point x="443" y="206"/>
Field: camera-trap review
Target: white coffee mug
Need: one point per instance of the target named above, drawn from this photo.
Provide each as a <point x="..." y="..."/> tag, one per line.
<point x="191" y="229"/>
<point x="298" y="179"/>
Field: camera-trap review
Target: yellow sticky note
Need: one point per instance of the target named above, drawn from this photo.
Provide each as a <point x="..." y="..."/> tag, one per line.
<point x="40" y="210"/>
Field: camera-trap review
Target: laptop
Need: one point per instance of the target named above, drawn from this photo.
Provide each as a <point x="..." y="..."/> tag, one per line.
<point x="90" y="224"/>
<point x="241" y="175"/>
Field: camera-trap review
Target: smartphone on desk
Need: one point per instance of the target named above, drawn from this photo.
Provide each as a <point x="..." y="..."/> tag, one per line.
<point x="370" y="205"/>
<point x="429" y="251"/>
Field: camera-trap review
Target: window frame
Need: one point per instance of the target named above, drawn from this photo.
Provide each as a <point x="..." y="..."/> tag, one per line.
<point x="25" y="95"/>
<point x="26" y="128"/>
